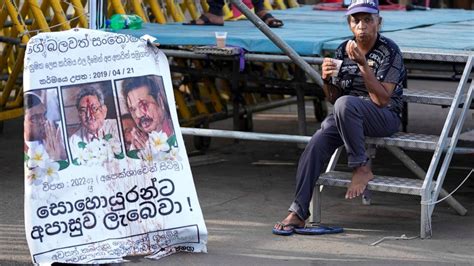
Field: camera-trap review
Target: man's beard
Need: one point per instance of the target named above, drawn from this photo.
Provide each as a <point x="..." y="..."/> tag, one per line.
<point x="145" y="122"/>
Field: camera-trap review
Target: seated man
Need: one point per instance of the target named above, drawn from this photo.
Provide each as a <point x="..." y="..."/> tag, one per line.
<point x="215" y="16"/>
<point x="371" y="81"/>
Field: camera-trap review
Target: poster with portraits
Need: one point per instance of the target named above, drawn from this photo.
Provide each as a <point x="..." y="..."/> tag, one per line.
<point x="106" y="170"/>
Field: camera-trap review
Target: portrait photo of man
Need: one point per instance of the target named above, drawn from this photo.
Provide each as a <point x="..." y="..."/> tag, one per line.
<point x="92" y="122"/>
<point x="42" y="124"/>
<point x="144" y="101"/>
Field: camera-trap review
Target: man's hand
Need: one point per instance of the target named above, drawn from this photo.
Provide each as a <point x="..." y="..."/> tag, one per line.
<point x="139" y="138"/>
<point x="330" y="91"/>
<point x="379" y="92"/>
<point x="53" y="141"/>
<point x="327" y="68"/>
<point x="354" y="53"/>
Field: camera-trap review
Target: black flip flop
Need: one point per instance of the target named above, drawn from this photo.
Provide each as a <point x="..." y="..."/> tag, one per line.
<point x="272" y="21"/>
<point x="206" y="21"/>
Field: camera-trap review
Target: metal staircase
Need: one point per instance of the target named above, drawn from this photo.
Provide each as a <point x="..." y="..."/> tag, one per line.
<point x="429" y="187"/>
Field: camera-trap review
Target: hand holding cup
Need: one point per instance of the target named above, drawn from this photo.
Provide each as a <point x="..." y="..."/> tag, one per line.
<point x="330" y="67"/>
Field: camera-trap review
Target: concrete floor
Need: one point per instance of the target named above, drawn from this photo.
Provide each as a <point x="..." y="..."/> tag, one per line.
<point x="242" y="197"/>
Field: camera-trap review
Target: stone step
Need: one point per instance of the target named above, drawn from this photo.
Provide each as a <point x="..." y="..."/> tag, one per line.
<point x="399" y="185"/>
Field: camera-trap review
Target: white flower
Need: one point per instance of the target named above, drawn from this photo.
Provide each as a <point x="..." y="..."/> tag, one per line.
<point x="98" y="151"/>
<point x="174" y="154"/>
<point x="41" y="168"/>
<point x="37" y="156"/>
<point x="115" y="146"/>
<point x="34" y="176"/>
<point x="51" y="170"/>
<point x="148" y="156"/>
<point x="81" y="156"/>
<point x="88" y="155"/>
<point x="161" y="155"/>
<point x="158" y="141"/>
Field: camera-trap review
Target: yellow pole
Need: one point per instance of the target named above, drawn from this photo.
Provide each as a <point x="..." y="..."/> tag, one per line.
<point x="174" y="10"/>
<point x="204" y="5"/>
<point x="117" y="7"/>
<point x="12" y="78"/>
<point x="280" y="4"/>
<point x="191" y="7"/>
<point x="37" y="14"/>
<point x="3" y="17"/>
<point x="59" y="15"/>
<point x="80" y="13"/>
<point x="182" y="106"/>
<point x="156" y="11"/>
<point x="138" y="9"/>
<point x="293" y="3"/>
<point x="267" y="5"/>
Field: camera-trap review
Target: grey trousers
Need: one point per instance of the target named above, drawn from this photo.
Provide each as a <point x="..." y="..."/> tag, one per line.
<point x="353" y="119"/>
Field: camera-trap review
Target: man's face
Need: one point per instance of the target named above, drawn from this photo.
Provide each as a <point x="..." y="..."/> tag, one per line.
<point x="34" y="123"/>
<point x="364" y="26"/>
<point x="128" y="125"/>
<point x="92" y="113"/>
<point x="146" y="112"/>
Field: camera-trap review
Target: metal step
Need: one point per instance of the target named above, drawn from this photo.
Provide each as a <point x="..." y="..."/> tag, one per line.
<point x="428" y="97"/>
<point x="405" y="140"/>
<point x="390" y="184"/>
<point x="414" y="141"/>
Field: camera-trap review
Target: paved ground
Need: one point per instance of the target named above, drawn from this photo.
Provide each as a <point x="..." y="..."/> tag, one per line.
<point x="242" y="199"/>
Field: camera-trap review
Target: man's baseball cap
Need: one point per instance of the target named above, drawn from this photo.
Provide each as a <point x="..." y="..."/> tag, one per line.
<point x="363" y="6"/>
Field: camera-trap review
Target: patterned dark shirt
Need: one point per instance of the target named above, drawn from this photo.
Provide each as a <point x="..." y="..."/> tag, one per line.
<point x="385" y="59"/>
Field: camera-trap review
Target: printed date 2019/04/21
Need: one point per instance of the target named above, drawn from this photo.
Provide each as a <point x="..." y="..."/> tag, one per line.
<point x="113" y="72"/>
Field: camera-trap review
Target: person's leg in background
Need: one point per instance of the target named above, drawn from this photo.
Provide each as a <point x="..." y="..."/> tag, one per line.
<point x="264" y="15"/>
<point x="215" y="16"/>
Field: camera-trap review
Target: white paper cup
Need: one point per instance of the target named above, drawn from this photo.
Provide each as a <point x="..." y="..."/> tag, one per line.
<point x="221" y="37"/>
<point x="338" y="67"/>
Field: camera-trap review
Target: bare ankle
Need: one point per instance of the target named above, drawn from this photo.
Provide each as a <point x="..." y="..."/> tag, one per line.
<point x="363" y="169"/>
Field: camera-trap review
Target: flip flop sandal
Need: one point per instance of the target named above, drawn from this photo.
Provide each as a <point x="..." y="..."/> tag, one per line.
<point x="283" y="232"/>
<point x="318" y="230"/>
<point x="206" y="21"/>
<point x="271" y="21"/>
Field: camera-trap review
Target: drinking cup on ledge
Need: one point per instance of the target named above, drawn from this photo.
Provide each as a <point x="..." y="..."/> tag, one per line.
<point x="221" y="37"/>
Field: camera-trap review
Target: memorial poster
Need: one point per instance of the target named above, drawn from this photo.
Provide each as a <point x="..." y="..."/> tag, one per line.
<point x="106" y="170"/>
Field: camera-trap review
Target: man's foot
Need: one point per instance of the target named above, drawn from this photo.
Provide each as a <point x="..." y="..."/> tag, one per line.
<point x="360" y="178"/>
<point x="288" y="224"/>
<point x="207" y="19"/>
<point x="271" y="21"/>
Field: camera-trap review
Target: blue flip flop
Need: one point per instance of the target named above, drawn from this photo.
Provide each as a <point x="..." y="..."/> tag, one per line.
<point x="318" y="230"/>
<point x="283" y="232"/>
